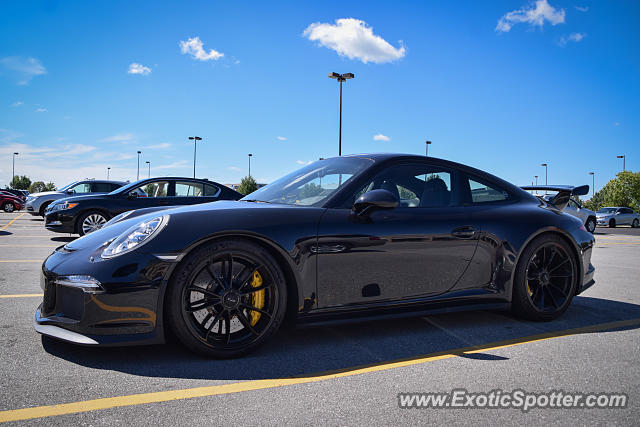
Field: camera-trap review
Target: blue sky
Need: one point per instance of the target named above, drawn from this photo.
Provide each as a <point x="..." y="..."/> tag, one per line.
<point x="503" y="86"/>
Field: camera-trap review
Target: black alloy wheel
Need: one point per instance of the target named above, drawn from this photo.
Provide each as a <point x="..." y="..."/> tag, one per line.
<point x="226" y="299"/>
<point x="546" y="279"/>
<point x="612" y="223"/>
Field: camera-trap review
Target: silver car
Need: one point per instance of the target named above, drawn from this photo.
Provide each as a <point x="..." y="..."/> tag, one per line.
<point x="36" y="203"/>
<point x="587" y="216"/>
<point x="614" y="216"/>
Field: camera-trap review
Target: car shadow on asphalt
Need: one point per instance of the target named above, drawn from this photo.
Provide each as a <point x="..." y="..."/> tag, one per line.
<point x="312" y="350"/>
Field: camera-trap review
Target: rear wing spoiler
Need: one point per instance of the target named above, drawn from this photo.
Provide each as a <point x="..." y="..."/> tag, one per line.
<point x="564" y="193"/>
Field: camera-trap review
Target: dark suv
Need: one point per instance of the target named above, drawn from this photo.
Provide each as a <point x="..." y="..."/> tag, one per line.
<point x="85" y="214"/>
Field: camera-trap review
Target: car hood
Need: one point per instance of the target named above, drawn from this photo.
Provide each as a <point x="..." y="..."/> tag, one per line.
<point x="45" y="193"/>
<point x="603" y="215"/>
<point x="79" y="198"/>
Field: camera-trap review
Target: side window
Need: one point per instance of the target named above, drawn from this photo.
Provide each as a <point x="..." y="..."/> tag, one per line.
<point x="154" y="189"/>
<point x="81" y="188"/>
<point x="415" y="186"/>
<point x="101" y="187"/>
<point x="572" y="204"/>
<point x="188" y="189"/>
<point x="211" y="190"/>
<point x="114" y="187"/>
<point x="483" y="193"/>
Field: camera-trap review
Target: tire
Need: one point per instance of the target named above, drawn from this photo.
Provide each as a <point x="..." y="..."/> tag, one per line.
<point x="220" y="321"/>
<point x="634" y="224"/>
<point x="9" y="207"/>
<point x="545" y="280"/>
<point x="43" y="208"/>
<point x="90" y="222"/>
<point x="591" y="225"/>
<point x="612" y="223"/>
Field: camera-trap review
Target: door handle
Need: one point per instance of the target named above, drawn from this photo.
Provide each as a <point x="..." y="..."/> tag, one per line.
<point x="464" y="232"/>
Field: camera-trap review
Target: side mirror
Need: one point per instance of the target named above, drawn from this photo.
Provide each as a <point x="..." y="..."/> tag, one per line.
<point x="70" y="191"/>
<point x="374" y="199"/>
<point x="132" y="195"/>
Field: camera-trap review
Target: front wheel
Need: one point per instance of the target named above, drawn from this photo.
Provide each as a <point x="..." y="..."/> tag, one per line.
<point x="546" y="279"/>
<point x="591" y="225"/>
<point x="226" y="299"/>
<point x="634" y="224"/>
<point x="90" y="222"/>
<point x="612" y="223"/>
<point x="9" y="207"/>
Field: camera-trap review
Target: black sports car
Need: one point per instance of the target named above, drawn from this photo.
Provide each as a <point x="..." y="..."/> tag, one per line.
<point x="363" y="235"/>
<point x="86" y="214"/>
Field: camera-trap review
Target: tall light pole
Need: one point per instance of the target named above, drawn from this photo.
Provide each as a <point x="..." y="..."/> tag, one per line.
<point x="195" y="140"/>
<point x="149" y="164"/>
<point x="341" y="78"/>
<point x="593" y="183"/>
<point x="13" y="169"/>
<point x="108" y="170"/>
<point x="546" y="181"/>
<point x="536" y="177"/>
<point x="428" y="143"/>
<point x="250" y="155"/>
<point x="138" y="173"/>
<point x="624" y="162"/>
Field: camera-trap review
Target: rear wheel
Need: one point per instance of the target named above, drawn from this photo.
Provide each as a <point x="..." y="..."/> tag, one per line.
<point x="226" y="299"/>
<point x="591" y="224"/>
<point x="546" y="279"/>
<point x="90" y="222"/>
<point x="634" y="224"/>
<point x="9" y="207"/>
<point x="612" y="223"/>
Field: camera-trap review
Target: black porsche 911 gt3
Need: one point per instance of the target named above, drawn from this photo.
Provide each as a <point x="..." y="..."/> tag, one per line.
<point x="362" y="235"/>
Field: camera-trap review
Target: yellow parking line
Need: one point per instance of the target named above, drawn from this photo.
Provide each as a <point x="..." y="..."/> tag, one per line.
<point x="12" y="221"/>
<point x="20" y="296"/>
<point x="190" y="393"/>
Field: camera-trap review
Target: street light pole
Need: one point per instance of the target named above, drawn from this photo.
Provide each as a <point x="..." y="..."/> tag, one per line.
<point x="546" y="181"/>
<point x="108" y="170"/>
<point x="427" y="151"/>
<point x="138" y="173"/>
<point x="13" y="169"/>
<point x="149" y="164"/>
<point x="593" y="183"/>
<point x="341" y="78"/>
<point x="195" y="140"/>
<point x="624" y="162"/>
<point x="250" y="155"/>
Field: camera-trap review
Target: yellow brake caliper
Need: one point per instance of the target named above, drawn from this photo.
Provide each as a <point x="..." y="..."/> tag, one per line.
<point x="257" y="298"/>
<point x="529" y="288"/>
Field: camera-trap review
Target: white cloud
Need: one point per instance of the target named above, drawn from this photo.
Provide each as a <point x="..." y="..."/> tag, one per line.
<point x="534" y="15"/>
<point x="193" y="47"/>
<point x="381" y="137"/>
<point x="234" y="168"/>
<point x="573" y="37"/>
<point x="41" y="110"/>
<point x="17" y="104"/>
<point x="175" y="165"/>
<point x="136" y="68"/>
<point x="281" y="138"/>
<point x="616" y="124"/>
<point x="161" y="146"/>
<point x="22" y="69"/>
<point x="302" y="162"/>
<point x="354" y="39"/>
<point x="582" y="8"/>
<point x="120" y="137"/>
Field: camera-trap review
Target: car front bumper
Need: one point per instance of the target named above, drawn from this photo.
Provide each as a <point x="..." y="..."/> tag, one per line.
<point x="126" y="310"/>
<point x="60" y="222"/>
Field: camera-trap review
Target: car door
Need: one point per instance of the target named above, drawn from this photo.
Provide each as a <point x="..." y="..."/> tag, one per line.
<point x="627" y="215"/>
<point x="148" y="194"/>
<point x="419" y="249"/>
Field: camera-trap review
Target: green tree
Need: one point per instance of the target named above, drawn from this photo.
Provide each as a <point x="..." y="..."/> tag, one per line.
<point x="20" y="182"/>
<point x="50" y="186"/>
<point x="310" y="189"/>
<point x="40" y="186"/>
<point x="248" y="185"/>
<point x="623" y="190"/>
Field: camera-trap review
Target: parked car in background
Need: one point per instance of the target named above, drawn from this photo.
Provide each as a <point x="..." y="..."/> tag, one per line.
<point x="614" y="216"/>
<point x="587" y="216"/>
<point x="21" y="194"/>
<point x="9" y="202"/>
<point x="85" y="214"/>
<point x="36" y="203"/>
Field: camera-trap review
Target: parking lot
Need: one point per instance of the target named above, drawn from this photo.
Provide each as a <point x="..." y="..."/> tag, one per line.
<point x="338" y="374"/>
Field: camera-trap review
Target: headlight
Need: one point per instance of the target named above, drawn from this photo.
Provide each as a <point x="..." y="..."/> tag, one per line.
<point x="135" y="236"/>
<point x="117" y="218"/>
<point x="62" y="206"/>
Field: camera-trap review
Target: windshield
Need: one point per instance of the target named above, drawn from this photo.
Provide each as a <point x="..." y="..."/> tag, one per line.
<point x="607" y="210"/>
<point x="68" y="186"/>
<point x="313" y="184"/>
<point x="126" y="188"/>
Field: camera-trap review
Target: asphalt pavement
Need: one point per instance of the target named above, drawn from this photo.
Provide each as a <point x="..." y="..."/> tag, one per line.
<point x="342" y="374"/>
